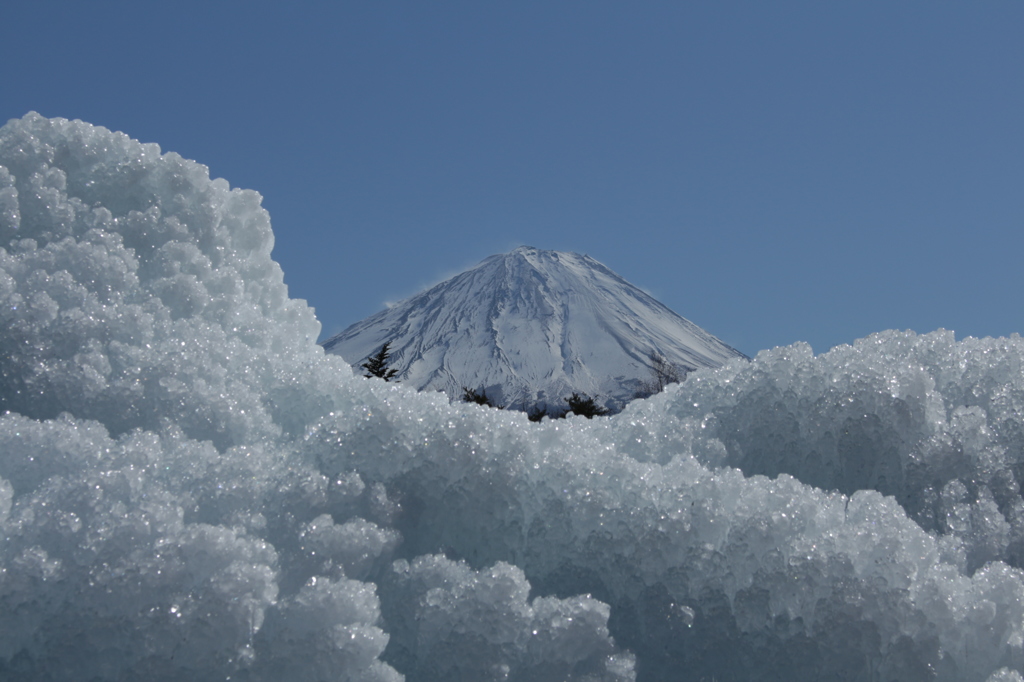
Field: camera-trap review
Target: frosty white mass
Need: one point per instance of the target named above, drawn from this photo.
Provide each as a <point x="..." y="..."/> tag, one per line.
<point x="191" y="489"/>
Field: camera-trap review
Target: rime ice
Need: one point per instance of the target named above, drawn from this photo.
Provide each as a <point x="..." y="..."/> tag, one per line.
<point x="191" y="489"/>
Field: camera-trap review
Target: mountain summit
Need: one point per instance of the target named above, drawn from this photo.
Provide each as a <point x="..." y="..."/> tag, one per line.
<point x="531" y="327"/>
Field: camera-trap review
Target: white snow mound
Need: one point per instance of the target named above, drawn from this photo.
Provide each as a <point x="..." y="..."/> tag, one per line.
<point x="191" y="489"/>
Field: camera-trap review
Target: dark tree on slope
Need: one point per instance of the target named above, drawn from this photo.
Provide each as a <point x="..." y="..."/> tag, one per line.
<point x="584" y="405"/>
<point x="471" y="395"/>
<point x="377" y="365"/>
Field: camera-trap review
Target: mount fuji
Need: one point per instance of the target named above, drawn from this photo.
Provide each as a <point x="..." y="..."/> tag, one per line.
<point x="530" y="327"/>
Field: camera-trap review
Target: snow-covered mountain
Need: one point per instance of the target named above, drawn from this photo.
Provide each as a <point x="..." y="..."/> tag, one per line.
<point x="531" y="327"/>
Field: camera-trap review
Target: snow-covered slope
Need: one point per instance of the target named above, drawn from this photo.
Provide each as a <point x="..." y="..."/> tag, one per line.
<point x="532" y="326"/>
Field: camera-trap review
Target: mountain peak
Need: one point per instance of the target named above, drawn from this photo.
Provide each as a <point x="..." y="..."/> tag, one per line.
<point x="531" y="327"/>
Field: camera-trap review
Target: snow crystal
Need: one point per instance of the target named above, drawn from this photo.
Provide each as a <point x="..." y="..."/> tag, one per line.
<point x="460" y="624"/>
<point x="191" y="489"/>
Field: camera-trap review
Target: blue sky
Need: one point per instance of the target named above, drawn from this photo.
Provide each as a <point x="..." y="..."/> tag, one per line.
<point x="773" y="171"/>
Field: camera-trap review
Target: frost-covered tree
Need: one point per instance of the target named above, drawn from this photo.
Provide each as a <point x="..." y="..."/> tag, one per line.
<point x="377" y="365"/>
<point x="537" y="412"/>
<point x="663" y="373"/>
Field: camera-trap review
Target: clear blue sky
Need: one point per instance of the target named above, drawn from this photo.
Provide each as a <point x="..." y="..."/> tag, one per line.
<point x="773" y="171"/>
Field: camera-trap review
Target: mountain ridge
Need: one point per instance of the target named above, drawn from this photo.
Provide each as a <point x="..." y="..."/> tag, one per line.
<point x="530" y="327"/>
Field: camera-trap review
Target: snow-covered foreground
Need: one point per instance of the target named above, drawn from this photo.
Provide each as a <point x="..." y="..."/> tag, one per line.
<point x="192" y="490"/>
